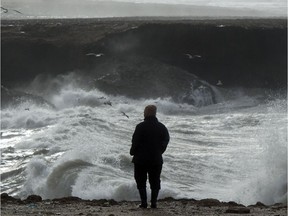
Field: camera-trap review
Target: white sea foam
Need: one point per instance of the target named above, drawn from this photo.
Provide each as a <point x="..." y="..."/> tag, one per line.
<point x="230" y="151"/>
<point x="267" y="178"/>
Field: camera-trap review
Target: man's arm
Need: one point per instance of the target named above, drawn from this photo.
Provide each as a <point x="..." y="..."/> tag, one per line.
<point x="134" y="141"/>
<point x="166" y="139"/>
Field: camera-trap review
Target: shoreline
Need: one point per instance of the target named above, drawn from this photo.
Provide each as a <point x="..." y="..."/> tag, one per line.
<point x="34" y="205"/>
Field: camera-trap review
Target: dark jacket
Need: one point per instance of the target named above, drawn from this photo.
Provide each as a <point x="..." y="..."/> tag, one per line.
<point x="149" y="141"/>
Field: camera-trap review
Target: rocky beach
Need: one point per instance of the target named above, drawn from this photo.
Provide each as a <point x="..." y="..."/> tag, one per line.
<point x="34" y="205"/>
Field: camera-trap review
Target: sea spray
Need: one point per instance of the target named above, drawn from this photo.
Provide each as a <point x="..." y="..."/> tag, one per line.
<point x="266" y="176"/>
<point x="83" y="149"/>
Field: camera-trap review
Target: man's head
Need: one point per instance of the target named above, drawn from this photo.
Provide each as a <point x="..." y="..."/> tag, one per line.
<point x="150" y="110"/>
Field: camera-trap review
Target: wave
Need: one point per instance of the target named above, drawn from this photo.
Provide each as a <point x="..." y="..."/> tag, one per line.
<point x="117" y="79"/>
<point x="52" y="182"/>
<point x="184" y="61"/>
<point x="11" y="97"/>
<point x="181" y="91"/>
<point x="82" y="152"/>
<point x="10" y="174"/>
<point x="238" y="54"/>
<point x="268" y="181"/>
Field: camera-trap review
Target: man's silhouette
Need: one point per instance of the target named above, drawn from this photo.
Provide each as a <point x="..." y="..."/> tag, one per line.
<point x="149" y="142"/>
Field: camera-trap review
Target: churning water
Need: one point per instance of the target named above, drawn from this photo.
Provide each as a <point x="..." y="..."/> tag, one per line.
<point x="235" y="149"/>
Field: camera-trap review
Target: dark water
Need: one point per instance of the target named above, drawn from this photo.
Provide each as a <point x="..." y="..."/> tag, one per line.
<point x="250" y="53"/>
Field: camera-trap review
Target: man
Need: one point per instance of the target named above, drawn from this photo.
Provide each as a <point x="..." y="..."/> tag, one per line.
<point x="149" y="142"/>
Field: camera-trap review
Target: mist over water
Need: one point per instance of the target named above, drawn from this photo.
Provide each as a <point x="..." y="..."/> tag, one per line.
<point x="233" y="150"/>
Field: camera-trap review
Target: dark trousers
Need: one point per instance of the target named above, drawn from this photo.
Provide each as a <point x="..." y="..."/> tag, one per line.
<point x="153" y="171"/>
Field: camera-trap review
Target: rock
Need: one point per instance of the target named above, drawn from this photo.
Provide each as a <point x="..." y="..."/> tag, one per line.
<point x="33" y="199"/>
<point x="259" y="205"/>
<point x="231" y="203"/>
<point x="170" y="199"/>
<point x="106" y="204"/>
<point x="103" y="202"/>
<point x="113" y="202"/>
<point x="100" y="202"/>
<point x="238" y="210"/>
<point x="67" y="199"/>
<point x="209" y="202"/>
<point x="277" y="206"/>
<point x="5" y="198"/>
<point x="186" y="201"/>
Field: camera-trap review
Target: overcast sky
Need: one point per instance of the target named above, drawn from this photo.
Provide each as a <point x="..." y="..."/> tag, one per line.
<point x="100" y="8"/>
<point x="214" y="2"/>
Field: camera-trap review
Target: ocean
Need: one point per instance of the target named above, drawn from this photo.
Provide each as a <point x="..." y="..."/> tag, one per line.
<point x="69" y="133"/>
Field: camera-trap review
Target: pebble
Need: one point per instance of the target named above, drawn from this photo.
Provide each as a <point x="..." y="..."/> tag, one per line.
<point x="238" y="210"/>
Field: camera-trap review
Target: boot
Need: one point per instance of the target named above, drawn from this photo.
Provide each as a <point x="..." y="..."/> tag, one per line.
<point x="154" y="195"/>
<point x="143" y="197"/>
